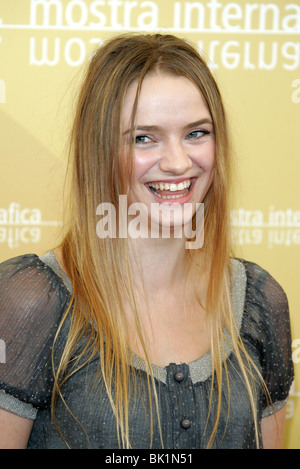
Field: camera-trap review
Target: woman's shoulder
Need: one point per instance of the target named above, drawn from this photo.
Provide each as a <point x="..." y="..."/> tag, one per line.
<point x="261" y="287"/>
<point x="266" y="330"/>
<point x="266" y="315"/>
<point x="33" y="299"/>
<point x="8" y="266"/>
<point x="29" y="283"/>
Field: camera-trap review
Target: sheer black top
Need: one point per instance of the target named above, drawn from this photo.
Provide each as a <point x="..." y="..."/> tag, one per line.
<point x="34" y="293"/>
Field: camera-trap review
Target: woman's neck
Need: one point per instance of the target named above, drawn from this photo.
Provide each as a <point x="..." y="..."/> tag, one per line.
<point x="158" y="264"/>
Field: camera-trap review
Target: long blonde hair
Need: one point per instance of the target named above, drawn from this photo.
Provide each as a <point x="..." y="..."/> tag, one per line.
<point x="99" y="268"/>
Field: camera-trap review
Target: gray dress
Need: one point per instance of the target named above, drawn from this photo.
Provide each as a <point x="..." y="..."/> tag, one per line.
<point x="34" y="293"/>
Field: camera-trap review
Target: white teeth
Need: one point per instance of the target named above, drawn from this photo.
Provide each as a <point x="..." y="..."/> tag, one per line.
<point x="171" y="187"/>
<point x="170" y="196"/>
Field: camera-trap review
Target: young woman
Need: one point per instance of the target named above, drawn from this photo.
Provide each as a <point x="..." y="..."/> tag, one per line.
<point x="125" y="336"/>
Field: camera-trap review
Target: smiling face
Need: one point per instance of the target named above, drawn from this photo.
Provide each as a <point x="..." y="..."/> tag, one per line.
<point x="174" y="146"/>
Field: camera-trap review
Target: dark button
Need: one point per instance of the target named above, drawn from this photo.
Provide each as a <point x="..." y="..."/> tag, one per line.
<point x="179" y="376"/>
<point x="186" y="423"/>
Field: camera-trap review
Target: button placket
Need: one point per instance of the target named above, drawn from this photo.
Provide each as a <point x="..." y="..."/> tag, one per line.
<point x="183" y="405"/>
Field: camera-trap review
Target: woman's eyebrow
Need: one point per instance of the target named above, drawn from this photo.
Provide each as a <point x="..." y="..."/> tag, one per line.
<point x="151" y="128"/>
<point x="205" y="120"/>
<point x="146" y="128"/>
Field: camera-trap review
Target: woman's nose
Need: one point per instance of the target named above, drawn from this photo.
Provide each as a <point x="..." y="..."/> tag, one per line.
<point x="174" y="158"/>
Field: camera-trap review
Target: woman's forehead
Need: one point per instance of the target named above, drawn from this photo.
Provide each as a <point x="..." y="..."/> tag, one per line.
<point x="162" y="94"/>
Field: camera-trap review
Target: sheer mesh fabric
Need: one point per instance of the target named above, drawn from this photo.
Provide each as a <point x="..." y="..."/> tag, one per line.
<point x="33" y="298"/>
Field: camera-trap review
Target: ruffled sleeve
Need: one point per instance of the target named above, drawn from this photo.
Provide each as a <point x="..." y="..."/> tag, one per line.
<point x="267" y="330"/>
<point x="32" y="301"/>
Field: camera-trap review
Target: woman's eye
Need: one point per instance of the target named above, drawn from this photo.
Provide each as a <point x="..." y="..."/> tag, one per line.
<point x="198" y="133"/>
<point x="142" y="139"/>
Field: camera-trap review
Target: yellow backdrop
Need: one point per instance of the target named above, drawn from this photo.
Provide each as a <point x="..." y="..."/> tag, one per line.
<point x="254" y="50"/>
